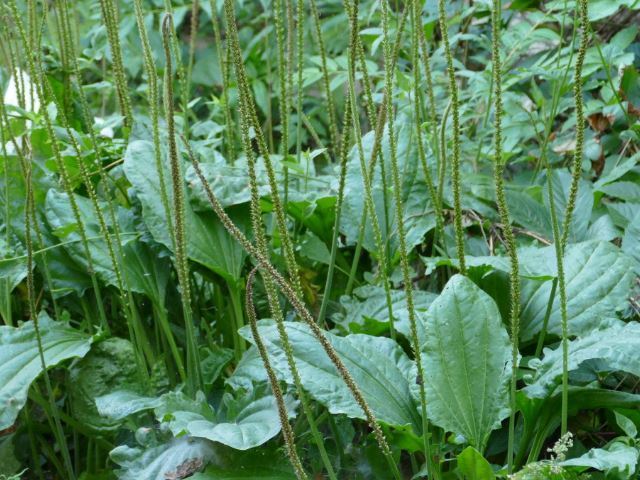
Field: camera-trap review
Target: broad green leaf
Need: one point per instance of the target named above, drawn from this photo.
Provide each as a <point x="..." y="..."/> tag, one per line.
<point x="213" y="359"/>
<point x="21" y="363"/>
<point x="230" y="183"/>
<point x="418" y="212"/>
<point x="561" y="182"/>
<point x="474" y="466"/>
<point x="598" y="281"/>
<point x="240" y="423"/>
<point x="603" y="229"/>
<point x="108" y="367"/>
<point x="175" y="459"/>
<point x="528" y="213"/>
<point x="13" y="269"/>
<point x="9" y="464"/>
<point x="545" y="470"/>
<point x="378" y="365"/>
<point x="618" y="460"/>
<point x="529" y="263"/>
<point x="366" y="311"/>
<point x="248" y="371"/>
<point x="467" y="362"/>
<point x="616" y="347"/>
<point x="624" y="190"/>
<point x="120" y="404"/>
<point x="142" y="269"/>
<point x="627" y="425"/>
<point x="623" y="212"/>
<point x="208" y="243"/>
<point x="13" y="264"/>
<point x="616" y="172"/>
<point x="314" y="248"/>
<point x="250" y="421"/>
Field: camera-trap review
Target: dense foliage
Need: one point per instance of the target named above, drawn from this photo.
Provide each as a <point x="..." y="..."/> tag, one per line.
<point x="359" y="239"/>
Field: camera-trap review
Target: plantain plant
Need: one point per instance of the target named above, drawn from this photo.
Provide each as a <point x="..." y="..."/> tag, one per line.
<point x="365" y="239"/>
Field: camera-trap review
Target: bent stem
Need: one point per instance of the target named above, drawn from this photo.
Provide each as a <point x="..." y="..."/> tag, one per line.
<point x="287" y="431"/>
<point x="302" y="311"/>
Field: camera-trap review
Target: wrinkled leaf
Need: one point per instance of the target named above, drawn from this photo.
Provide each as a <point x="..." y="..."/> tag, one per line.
<point x="467" y="362"/>
<point x="108" y="367"/>
<point x="598" y="281"/>
<point x="252" y="422"/>
<point x="208" y="243"/>
<point x="260" y="463"/>
<point x="378" y="365"/>
<point x="21" y="363"/>
<point x="368" y="305"/>
<point x="618" y="460"/>
<point x="162" y="462"/>
<point x="616" y="347"/>
<point x="418" y="213"/>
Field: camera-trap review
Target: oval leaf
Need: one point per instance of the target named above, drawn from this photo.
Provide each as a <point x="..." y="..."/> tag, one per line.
<point x="20" y="359"/>
<point x="378" y="365"/>
<point x="467" y="364"/>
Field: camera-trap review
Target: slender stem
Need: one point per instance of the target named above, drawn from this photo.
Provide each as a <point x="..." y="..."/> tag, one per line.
<point x="404" y="254"/>
<point x="344" y="156"/>
<point x="455" y="157"/>
<point x="503" y="210"/>
<point x="331" y="112"/>
<point x="112" y="25"/>
<point x="287" y="431"/>
<point x="194" y="375"/>
<point x="547" y="315"/>
<point x="583" y="20"/>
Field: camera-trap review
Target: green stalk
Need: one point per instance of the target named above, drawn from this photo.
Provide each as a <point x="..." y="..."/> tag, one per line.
<point x="110" y="15"/>
<point x="224" y="70"/>
<point x="33" y="314"/>
<point x="344" y="156"/>
<point x="416" y="28"/>
<point x="194" y="374"/>
<point x="154" y="105"/>
<point x="583" y="20"/>
<point x="116" y="256"/>
<point x="193" y="33"/>
<point x="331" y="111"/>
<point x="433" y="117"/>
<point x="272" y="294"/>
<point x="37" y="75"/>
<point x="547" y="315"/>
<point x="352" y="12"/>
<point x="404" y="254"/>
<point x="503" y="211"/>
<point x="455" y="158"/>
<point x="287" y="431"/>
<point x="8" y="320"/>
<point x="284" y="66"/>
<point x="4" y="120"/>
<point x="236" y="306"/>
<point x="300" y="63"/>
<point x="368" y="172"/>
<point x="245" y="92"/>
